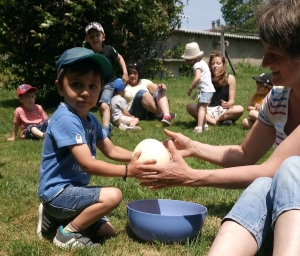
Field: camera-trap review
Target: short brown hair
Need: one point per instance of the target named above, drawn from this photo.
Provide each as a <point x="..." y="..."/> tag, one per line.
<point x="279" y="26"/>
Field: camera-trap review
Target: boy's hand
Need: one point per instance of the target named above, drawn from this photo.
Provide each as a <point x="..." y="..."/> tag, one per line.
<point x="132" y="166"/>
<point x="190" y="91"/>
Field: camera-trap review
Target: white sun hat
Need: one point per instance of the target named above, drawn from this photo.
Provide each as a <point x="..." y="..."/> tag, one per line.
<point x="192" y="51"/>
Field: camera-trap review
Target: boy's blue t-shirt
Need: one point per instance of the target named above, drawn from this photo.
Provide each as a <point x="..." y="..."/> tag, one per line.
<point x="58" y="167"/>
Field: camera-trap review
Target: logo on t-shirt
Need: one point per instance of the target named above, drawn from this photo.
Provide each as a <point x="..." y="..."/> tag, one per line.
<point x="78" y="139"/>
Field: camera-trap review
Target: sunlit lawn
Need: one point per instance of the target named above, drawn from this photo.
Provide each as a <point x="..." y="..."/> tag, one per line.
<point x="19" y="170"/>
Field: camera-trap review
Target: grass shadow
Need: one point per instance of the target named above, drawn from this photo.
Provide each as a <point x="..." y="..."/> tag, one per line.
<point x="185" y="124"/>
<point x="219" y="210"/>
<point x="189" y="242"/>
<point x="10" y="103"/>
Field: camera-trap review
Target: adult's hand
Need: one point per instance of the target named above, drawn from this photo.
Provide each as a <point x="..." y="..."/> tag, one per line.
<point x="176" y="173"/>
<point x="224" y="104"/>
<point x="162" y="87"/>
<point x="183" y="144"/>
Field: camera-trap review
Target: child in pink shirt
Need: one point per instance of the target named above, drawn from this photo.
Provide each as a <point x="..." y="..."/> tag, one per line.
<point x="30" y="116"/>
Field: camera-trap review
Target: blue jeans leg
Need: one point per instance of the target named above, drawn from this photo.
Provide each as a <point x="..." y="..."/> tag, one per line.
<point x="265" y="199"/>
<point x="285" y="189"/>
<point x="253" y="210"/>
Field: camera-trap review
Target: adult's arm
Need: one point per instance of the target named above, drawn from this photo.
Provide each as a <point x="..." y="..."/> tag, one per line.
<point x="152" y="87"/>
<point x="232" y="91"/>
<point x="178" y="173"/>
<point x="258" y="141"/>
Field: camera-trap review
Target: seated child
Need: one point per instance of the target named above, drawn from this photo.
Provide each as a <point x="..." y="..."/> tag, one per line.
<point x="119" y="113"/>
<point x="264" y="85"/>
<point x="69" y="157"/>
<point x="30" y="116"/>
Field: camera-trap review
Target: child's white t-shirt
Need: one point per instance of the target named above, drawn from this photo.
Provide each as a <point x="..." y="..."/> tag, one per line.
<point x="205" y="84"/>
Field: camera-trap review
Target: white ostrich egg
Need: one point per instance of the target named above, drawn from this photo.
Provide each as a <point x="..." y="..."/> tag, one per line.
<point x="152" y="149"/>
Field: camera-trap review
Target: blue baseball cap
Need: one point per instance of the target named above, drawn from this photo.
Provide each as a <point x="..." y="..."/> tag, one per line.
<point x="81" y="53"/>
<point x="119" y="85"/>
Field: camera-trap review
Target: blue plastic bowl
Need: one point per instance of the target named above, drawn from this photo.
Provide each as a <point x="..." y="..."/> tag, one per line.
<point x="165" y="220"/>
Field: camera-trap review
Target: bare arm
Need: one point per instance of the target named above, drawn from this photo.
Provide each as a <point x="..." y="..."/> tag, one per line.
<point x="113" y="152"/>
<point x="93" y="166"/>
<point x="154" y="87"/>
<point x="195" y="81"/>
<point x="232" y="91"/>
<point x="122" y="64"/>
<point x="250" y="104"/>
<point x="126" y="113"/>
<point x="178" y="173"/>
<point x="14" y="132"/>
<point x="257" y="142"/>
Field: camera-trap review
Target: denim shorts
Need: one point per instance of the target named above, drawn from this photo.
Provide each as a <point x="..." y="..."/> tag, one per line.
<point x="42" y="127"/>
<point x="137" y="108"/>
<point x="72" y="201"/>
<point x="265" y="199"/>
<point x="107" y="93"/>
<point x="205" y="97"/>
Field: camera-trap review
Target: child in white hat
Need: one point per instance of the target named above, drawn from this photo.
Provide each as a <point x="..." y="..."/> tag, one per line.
<point x="201" y="81"/>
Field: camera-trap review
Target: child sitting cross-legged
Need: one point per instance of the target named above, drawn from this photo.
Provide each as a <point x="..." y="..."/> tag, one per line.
<point x="119" y="113"/>
<point x="78" y="211"/>
<point x="263" y="87"/>
<point x="30" y="117"/>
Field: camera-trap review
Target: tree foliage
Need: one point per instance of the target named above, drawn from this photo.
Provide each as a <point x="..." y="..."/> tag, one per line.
<point x="34" y="33"/>
<point x="239" y="15"/>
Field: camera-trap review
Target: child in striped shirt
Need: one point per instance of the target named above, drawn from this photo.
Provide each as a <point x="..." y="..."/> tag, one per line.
<point x="30" y="116"/>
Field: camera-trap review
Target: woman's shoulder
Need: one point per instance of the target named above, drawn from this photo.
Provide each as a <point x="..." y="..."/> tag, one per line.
<point x="279" y="91"/>
<point x="145" y="81"/>
<point x="231" y="77"/>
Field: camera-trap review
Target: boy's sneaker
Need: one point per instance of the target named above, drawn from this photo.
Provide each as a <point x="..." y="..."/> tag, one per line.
<point x="205" y="127"/>
<point x="46" y="223"/>
<point x="167" y="119"/>
<point x="72" y="240"/>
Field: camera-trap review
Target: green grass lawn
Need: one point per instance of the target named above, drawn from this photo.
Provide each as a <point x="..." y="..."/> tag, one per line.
<point x="19" y="171"/>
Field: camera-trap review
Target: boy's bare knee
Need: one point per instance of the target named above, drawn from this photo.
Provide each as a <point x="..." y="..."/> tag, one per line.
<point x="111" y="196"/>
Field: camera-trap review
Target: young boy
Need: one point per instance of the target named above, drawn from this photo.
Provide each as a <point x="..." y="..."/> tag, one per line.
<point x="263" y="87"/>
<point x="95" y="36"/>
<point x="69" y="156"/>
<point x="119" y="112"/>
<point x="30" y="116"/>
